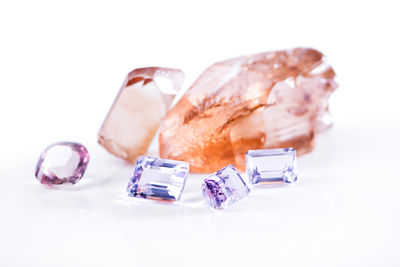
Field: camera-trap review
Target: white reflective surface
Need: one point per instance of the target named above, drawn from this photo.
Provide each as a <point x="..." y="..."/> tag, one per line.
<point x="61" y="66"/>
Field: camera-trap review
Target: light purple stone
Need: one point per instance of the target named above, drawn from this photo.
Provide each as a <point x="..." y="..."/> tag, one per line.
<point x="224" y="187"/>
<point x="62" y="163"/>
<point x="271" y="165"/>
<point x="158" y="179"/>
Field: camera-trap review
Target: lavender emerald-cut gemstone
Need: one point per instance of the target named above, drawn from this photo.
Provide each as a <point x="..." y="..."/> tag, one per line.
<point x="224" y="188"/>
<point x="271" y="165"/>
<point x="159" y="179"/>
<point x="62" y="163"/>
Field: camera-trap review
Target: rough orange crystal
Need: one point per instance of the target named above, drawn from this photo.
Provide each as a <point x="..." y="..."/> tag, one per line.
<point x="138" y="109"/>
<point x="268" y="100"/>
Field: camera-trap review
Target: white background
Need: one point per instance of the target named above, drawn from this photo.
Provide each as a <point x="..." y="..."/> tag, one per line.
<point x="61" y="65"/>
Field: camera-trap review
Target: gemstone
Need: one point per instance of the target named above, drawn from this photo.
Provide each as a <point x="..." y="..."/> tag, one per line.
<point x="268" y="100"/>
<point x="158" y="179"/>
<point x="224" y="187"/>
<point x="138" y="109"/>
<point x="62" y="163"/>
<point x="271" y="165"/>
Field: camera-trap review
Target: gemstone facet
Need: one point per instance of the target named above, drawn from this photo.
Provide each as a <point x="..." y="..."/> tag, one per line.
<point x="62" y="163"/>
<point x="138" y="109"/>
<point x="224" y="187"/>
<point x="268" y="100"/>
<point x="271" y="165"/>
<point x="158" y="179"/>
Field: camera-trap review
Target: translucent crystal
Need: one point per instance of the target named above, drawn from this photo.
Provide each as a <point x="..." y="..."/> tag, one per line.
<point x="62" y="163"/>
<point x="158" y="179"/>
<point x="137" y="111"/>
<point x="224" y="187"/>
<point x="268" y="100"/>
<point x="271" y="165"/>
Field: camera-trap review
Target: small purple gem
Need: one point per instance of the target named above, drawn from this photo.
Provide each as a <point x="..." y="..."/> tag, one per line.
<point x="62" y="163"/>
<point x="224" y="187"/>
<point x="271" y="165"/>
<point x="158" y="179"/>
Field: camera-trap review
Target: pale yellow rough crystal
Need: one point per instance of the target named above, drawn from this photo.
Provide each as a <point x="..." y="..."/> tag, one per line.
<point x="138" y="109"/>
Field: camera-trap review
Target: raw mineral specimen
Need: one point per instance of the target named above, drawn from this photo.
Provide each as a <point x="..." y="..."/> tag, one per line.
<point x="138" y="109"/>
<point x="268" y="100"/>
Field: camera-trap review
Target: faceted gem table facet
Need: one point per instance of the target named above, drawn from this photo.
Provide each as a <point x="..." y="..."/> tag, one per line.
<point x="138" y="109"/>
<point x="158" y="179"/>
<point x="224" y="188"/>
<point x="267" y="100"/>
<point x="271" y="165"/>
<point x="62" y="163"/>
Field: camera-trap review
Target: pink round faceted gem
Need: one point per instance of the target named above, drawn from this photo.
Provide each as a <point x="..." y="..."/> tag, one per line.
<point x="62" y="163"/>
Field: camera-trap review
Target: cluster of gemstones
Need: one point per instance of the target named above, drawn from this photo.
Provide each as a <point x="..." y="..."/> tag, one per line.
<point x="226" y="186"/>
<point x="164" y="179"/>
<point x="266" y="100"/>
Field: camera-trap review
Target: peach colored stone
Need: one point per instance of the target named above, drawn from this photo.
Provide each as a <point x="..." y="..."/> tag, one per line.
<point x="268" y="100"/>
<point x="138" y="109"/>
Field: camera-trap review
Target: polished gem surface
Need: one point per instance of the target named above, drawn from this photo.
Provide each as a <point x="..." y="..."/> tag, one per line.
<point x="268" y="100"/>
<point x="138" y="109"/>
<point x="271" y="165"/>
<point x="224" y="187"/>
<point x="62" y="163"/>
<point x="158" y="179"/>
